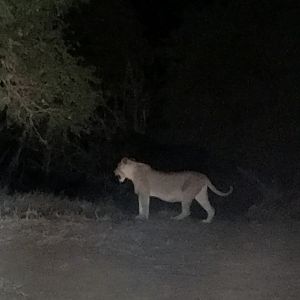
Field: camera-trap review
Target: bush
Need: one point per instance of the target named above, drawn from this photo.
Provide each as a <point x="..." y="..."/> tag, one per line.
<point x="47" y="97"/>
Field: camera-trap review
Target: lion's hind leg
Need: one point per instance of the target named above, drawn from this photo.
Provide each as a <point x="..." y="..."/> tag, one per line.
<point x="185" y="210"/>
<point x="202" y="199"/>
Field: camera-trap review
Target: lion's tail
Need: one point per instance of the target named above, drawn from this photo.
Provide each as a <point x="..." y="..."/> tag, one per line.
<point x="216" y="191"/>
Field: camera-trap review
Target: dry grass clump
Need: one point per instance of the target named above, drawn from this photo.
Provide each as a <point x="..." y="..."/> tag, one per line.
<point x="38" y="204"/>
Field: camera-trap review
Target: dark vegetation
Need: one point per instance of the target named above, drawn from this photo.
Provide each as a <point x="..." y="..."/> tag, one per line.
<point x="211" y="86"/>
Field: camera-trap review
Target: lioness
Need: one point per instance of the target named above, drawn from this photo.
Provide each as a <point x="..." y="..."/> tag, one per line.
<point x="171" y="187"/>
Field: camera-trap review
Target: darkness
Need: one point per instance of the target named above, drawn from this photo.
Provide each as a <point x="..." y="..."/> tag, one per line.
<point x="211" y="86"/>
<point x="237" y="61"/>
<point x="219" y="81"/>
<point x="160" y="18"/>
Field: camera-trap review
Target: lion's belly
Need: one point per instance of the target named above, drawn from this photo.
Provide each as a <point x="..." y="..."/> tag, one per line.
<point x="167" y="196"/>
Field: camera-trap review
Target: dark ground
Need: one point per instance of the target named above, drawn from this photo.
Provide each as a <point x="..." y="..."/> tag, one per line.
<point x="159" y="259"/>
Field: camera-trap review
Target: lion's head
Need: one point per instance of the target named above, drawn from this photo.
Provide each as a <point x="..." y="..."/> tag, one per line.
<point x="124" y="169"/>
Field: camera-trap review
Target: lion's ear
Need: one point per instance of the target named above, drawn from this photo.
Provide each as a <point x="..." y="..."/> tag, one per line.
<point x="124" y="160"/>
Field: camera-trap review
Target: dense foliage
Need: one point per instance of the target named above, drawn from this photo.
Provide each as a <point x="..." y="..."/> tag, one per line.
<point x="47" y="98"/>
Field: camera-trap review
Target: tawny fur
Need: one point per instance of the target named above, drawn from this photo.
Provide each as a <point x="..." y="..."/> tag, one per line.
<point x="181" y="187"/>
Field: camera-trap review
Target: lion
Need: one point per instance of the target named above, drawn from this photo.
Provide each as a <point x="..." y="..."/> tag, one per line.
<point x="181" y="187"/>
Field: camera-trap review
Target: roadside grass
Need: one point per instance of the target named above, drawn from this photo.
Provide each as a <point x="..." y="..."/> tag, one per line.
<point x="36" y="205"/>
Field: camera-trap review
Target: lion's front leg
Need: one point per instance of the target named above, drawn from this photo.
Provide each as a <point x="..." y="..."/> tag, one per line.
<point x="144" y="201"/>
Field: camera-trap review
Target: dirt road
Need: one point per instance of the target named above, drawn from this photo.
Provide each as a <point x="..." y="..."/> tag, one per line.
<point x="158" y="259"/>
